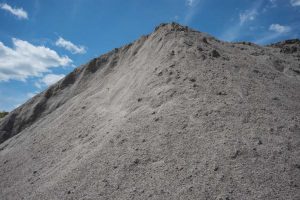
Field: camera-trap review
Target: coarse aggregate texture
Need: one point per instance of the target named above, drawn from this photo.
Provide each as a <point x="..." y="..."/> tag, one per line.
<point x="177" y="114"/>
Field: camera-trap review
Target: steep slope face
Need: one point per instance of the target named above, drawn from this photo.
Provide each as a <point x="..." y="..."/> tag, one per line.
<point x="49" y="100"/>
<point x="175" y="115"/>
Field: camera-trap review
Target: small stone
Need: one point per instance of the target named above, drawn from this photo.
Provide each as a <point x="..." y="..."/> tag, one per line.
<point x="205" y="40"/>
<point x="236" y="154"/>
<point x="139" y="99"/>
<point x="184" y="126"/>
<point x="199" y="48"/>
<point x="192" y="80"/>
<point x="179" y="168"/>
<point x="222" y="93"/>
<point x="215" y="54"/>
<point x="169" y="79"/>
<point x="136" y="161"/>
<point x="259" y="142"/>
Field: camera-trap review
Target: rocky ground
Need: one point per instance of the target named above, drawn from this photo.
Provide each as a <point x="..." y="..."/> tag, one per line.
<point x="177" y="114"/>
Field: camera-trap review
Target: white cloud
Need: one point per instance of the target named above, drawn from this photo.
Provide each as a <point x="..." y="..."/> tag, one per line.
<point x="270" y="5"/>
<point x="277" y="32"/>
<point x="192" y="10"/>
<point x="38" y="84"/>
<point x="190" y="2"/>
<point x="279" y="28"/>
<point x="234" y="31"/>
<point x="50" y="79"/>
<point x="18" y="12"/>
<point x="68" y="45"/>
<point x="295" y="2"/>
<point x="31" y="94"/>
<point x="25" y="60"/>
<point x="248" y="15"/>
<point x="273" y="2"/>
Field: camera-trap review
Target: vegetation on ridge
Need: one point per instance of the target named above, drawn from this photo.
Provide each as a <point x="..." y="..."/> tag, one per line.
<point x="3" y="114"/>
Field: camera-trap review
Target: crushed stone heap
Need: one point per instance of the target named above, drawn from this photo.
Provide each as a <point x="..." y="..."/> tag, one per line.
<point x="177" y="114"/>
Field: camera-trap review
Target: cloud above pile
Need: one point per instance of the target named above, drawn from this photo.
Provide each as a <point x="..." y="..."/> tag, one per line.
<point x="20" y="13"/>
<point x="279" y="28"/>
<point x="68" y="45"/>
<point x="275" y="31"/>
<point x="190" y="2"/>
<point x="50" y="79"/>
<point x="26" y="60"/>
<point x="295" y="2"/>
<point x="193" y="7"/>
<point x="245" y="17"/>
<point x="248" y="15"/>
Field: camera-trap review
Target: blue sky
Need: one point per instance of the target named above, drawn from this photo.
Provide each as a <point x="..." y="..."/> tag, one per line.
<point x="43" y="40"/>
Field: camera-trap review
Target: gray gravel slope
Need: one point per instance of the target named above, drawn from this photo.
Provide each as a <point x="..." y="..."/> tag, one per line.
<point x="177" y="114"/>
